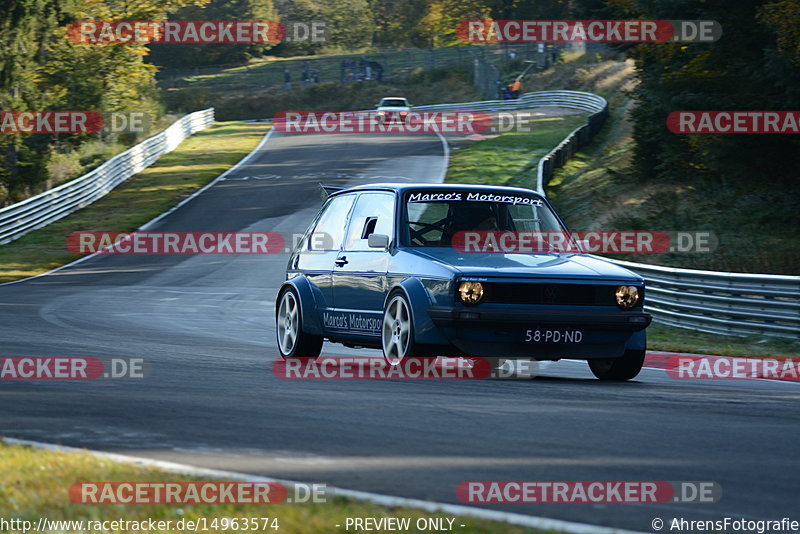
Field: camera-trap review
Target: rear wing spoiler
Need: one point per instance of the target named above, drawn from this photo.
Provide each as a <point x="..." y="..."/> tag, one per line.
<point x="328" y="190"/>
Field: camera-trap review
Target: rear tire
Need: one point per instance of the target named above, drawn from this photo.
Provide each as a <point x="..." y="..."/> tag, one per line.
<point x="618" y="369"/>
<point x="293" y="342"/>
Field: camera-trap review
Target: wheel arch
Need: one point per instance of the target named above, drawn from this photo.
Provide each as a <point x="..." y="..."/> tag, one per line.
<point x="425" y="332"/>
<point x="309" y="312"/>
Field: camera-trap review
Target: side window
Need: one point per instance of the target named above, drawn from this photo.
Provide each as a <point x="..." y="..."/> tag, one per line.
<point x="328" y="234"/>
<point x="373" y="214"/>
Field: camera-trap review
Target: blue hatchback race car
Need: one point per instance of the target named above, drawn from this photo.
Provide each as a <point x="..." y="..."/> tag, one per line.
<point x="425" y="270"/>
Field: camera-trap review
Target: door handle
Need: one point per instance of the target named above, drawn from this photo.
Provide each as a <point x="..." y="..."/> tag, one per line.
<point x="341" y="261"/>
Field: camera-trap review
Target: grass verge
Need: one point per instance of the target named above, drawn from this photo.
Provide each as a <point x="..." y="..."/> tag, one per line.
<point x="511" y="158"/>
<point x="256" y="89"/>
<point x="175" y="176"/>
<point x="420" y="86"/>
<point x="671" y="339"/>
<point x="35" y="483"/>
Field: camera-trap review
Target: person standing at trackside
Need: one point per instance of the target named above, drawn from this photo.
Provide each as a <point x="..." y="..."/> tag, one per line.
<point x="516" y="88"/>
<point x="362" y="68"/>
<point x="304" y="76"/>
<point x="377" y="69"/>
<point x="287" y="79"/>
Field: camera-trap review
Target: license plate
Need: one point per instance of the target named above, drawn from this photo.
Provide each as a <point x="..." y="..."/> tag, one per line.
<point x="553" y="335"/>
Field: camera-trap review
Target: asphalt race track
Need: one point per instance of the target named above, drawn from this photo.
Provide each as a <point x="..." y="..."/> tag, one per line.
<point x="204" y="326"/>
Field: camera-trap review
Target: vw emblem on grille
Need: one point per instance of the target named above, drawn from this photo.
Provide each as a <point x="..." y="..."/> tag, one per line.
<point x="551" y="293"/>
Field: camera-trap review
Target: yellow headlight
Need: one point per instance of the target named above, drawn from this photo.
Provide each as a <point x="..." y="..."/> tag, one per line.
<point x="627" y="296"/>
<point x="470" y="292"/>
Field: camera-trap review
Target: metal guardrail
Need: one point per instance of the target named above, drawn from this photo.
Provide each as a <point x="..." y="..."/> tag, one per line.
<point x="720" y="302"/>
<point x="577" y="138"/>
<point x="40" y="210"/>
<point x="565" y="99"/>
<point x="595" y="104"/>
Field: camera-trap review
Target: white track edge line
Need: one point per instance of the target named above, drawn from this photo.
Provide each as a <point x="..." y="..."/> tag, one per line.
<point x="543" y="523"/>
<point x="158" y="217"/>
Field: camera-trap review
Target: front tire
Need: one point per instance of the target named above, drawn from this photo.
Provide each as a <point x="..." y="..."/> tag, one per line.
<point x="293" y="342"/>
<point x="397" y="330"/>
<point x="618" y="369"/>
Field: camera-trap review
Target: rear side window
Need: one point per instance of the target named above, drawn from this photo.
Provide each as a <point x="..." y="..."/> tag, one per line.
<point x="373" y="214"/>
<point x="329" y="231"/>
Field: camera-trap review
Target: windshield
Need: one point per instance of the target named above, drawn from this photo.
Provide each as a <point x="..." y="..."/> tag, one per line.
<point x="394" y="103"/>
<point x="434" y="218"/>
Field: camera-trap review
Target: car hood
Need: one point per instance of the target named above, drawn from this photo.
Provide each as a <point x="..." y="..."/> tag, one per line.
<point x="393" y="108"/>
<point x="575" y="266"/>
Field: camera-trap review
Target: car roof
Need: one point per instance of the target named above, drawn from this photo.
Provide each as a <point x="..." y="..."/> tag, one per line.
<point x="402" y="187"/>
<point x="394" y="98"/>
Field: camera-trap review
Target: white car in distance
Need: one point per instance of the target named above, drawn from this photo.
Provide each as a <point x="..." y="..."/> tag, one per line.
<point x="393" y="107"/>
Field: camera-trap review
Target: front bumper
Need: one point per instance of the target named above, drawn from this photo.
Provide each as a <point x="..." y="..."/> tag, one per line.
<point x="500" y="332"/>
<point x="632" y="321"/>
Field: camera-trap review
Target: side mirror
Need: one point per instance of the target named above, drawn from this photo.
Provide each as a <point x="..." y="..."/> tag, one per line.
<point x="378" y="241"/>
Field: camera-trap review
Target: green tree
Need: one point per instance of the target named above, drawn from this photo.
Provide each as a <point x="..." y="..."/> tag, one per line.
<point x="527" y="10"/>
<point x="349" y="24"/>
<point x="443" y="16"/>
<point x="190" y="55"/>
<point x="398" y="23"/>
<point x="783" y="18"/>
<point x="43" y="69"/>
<point x="299" y="11"/>
<point x="26" y="26"/>
<point x="749" y="68"/>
